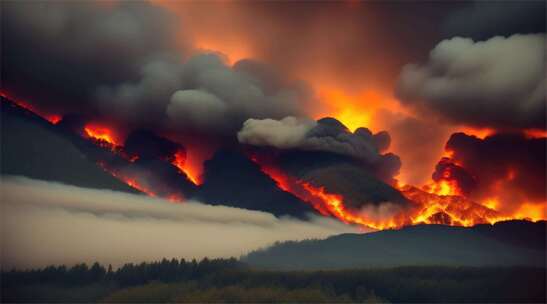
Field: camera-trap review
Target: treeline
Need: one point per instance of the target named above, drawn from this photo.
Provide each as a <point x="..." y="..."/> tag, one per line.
<point x="230" y="281"/>
<point x="128" y="275"/>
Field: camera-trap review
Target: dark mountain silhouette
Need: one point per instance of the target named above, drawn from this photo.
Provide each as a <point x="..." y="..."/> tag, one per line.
<point x="34" y="148"/>
<point x="232" y="179"/>
<point x="482" y="245"/>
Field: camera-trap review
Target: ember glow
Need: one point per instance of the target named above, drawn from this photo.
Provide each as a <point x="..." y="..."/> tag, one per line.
<point x="195" y="87"/>
<point x="134" y="183"/>
<point x="328" y="204"/>
<point x="103" y="135"/>
<point x="180" y="161"/>
<point x="438" y="203"/>
<point x="52" y="118"/>
<point x="441" y="201"/>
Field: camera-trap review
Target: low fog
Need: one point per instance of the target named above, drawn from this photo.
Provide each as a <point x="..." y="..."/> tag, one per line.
<point x="47" y="223"/>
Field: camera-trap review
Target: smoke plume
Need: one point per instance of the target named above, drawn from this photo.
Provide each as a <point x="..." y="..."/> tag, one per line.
<point x="506" y="167"/>
<point x="130" y="62"/>
<point x="495" y="83"/>
<point x="326" y="135"/>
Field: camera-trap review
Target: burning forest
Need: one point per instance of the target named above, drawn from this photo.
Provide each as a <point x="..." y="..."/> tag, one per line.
<point x="156" y="166"/>
<point x="404" y="140"/>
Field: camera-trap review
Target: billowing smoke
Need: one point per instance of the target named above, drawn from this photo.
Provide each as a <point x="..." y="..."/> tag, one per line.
<point x="507" y="167"/>
<point x="128" y="61"/>
<point x="214" y="96"/>
<point x="447" y="170"/>
<point x="66" y="224"/>
<point x="86" y="46"/>
<point x="417" y="159"/>
<point x="325" y="135"/>
<point x="495" y="83"/>
<point x="326" y="154"/>
<point x="286" y="133"/>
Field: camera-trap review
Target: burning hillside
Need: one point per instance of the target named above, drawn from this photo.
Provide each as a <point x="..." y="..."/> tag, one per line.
<point x="426" y="205"/>
<point x="156" y="166"/>
<point x="287" y="125"/>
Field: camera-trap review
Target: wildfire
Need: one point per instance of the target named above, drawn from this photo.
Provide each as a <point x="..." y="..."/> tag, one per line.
<point x="179" y="161"/>
<point x="443" y="187"/>
<point x="442" y="201"/>
<point x="439" y="203"/>
<point x="135" y="184"/>
<point x="51" y="118"/>
<point x="479" y="133"/>
<point x="534" y="212"/>
<point x="457" y="210"/>
<point x="328" y="204"/>
<point x="101" y="134"/>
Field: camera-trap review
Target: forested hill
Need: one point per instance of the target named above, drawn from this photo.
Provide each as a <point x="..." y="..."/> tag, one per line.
<point x="503" y="244"/>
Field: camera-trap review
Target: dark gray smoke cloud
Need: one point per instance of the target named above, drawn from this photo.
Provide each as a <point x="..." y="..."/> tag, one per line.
<point x="129" y="61"/>
<point x="495" y="83"/>
<point x="508" y="167"/>
<point x="325" y="135"/>
<point x="57" y="54"/>
<point x="216" y="96"/>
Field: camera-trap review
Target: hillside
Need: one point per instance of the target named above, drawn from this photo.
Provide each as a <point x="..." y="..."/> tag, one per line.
<point x="424" y="245"/>
<point x="32" y="147"/>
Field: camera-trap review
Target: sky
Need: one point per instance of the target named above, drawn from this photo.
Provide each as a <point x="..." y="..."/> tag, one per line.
<point x="380" y="65"/>
<point x="392" y="86"/>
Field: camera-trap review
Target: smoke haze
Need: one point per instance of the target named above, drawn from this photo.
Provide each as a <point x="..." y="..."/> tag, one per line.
<point x="51" y="223"/>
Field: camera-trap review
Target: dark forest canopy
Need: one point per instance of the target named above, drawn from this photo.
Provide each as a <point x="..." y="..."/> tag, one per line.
<point x="228" y="280"/>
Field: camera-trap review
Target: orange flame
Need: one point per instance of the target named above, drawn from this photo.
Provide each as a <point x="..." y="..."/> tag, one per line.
<point x="135" y="184"/>
<point x="443" y="187"/>
<point x="325" y="203"/>
<point x="101" y="134"/>
<point x="179" y="161"/>
<point x="51" y="118"/>
<point x="441" y="204"/>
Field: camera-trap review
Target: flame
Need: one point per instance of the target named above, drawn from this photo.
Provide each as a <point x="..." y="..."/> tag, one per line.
<point x="443" y="187"/>
<point x="446" y="185"/>
<point x="135" y="184"/>
<point x="480" y="133"/>
<point x="335" y="205"/>
<point x="431" y="208"/>
<point x="51" y="118"/>
<point x="180" y="161"/>
<point x="491" y="203"/>
<point x="535" y="133"/>
<point x="101" y="134"/>
<point x="441" y="203"/>
<point x="328" y="204"/>
<point x="533" y="212"/>
<point x="131" y="182"/>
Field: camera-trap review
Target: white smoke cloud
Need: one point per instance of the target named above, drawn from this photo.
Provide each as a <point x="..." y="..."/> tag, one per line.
<point x="327" y="135"/>
<point x="288" y="132"/>
<point x="499" y="82"/>
<point x="197" y="108"/>
<point x="51" y="223"/>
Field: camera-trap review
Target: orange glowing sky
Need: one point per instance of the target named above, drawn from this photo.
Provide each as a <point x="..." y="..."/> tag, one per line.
<point x="352" y="67"/>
